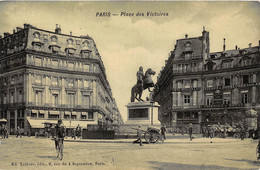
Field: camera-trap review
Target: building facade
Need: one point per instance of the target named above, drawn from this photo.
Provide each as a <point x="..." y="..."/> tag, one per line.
<point x="199" y="87"/>
<point x="45" y="76"/>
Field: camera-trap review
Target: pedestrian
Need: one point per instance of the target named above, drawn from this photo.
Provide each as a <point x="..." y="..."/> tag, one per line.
<point x="19" y="132"/>
<point x="242" y="132"/>
<point x="139" y="135"/>
<point x="204" y="131"/>
<point x="211" y="132"/>
<point x="190" y="131"/>
<point x="163" y="132"/>
<point x="78" y="131"/>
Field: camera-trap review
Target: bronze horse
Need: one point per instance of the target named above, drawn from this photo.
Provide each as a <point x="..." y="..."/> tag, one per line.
<point x="138" y="88"/>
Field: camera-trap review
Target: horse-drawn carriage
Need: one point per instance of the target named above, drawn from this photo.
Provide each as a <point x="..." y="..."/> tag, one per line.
<point x="3" y="128"/>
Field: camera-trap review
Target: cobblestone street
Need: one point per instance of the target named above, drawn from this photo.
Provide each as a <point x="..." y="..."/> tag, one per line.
<point x="31" y="153"/>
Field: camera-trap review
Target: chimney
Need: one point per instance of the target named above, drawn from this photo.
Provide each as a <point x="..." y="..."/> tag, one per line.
<point x="71" y="33"/>
<point x="186" y="35"/>
<point x="6" y="34"/>
<point x="18" y="29"/>
<point x="224" y="46"/>
<point x="13" y="31"/>
<point x="236" y="47"/>
<point x="250" y="45"/>
<point x="58" y="29"/>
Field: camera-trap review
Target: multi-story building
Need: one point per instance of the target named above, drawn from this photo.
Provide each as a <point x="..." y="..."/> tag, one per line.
<point x="200" y="87"/>
<point x="47" y="75"/>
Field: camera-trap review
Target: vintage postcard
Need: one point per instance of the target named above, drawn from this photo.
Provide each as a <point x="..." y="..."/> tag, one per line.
<point x="129" y="85"/>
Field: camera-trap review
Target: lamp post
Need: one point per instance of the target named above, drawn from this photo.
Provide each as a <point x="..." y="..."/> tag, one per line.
<point x="152" y="102"/>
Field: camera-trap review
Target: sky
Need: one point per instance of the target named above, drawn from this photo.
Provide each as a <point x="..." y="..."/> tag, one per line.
<point x="127" y="42"/>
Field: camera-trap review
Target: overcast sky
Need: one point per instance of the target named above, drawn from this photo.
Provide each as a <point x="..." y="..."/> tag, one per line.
<point x="125" y="43"/>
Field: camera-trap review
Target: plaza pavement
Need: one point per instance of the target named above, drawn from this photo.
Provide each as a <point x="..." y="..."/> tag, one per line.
<point x="175" y="153"/>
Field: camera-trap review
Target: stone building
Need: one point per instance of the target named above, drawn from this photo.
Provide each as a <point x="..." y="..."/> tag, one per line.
<point x="46" y="76"/>
<point x="199" y="87"/>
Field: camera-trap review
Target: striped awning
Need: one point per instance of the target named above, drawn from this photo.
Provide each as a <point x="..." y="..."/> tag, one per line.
<point x="73" y="113"/>
<point x="84" y="113"/>
<point x="42" y="111"/>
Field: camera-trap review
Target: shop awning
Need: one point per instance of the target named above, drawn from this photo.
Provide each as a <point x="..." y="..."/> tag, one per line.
<point x="67" y="113"/>
<point x="34" y="111"/>
<point x="42" y="111"/>
<point x="73" y="113"/>
<point x="54" y="112"/>
<point x="3" y="120"/>
<point x="39" y="123"/>
<point x="84" y="113"/>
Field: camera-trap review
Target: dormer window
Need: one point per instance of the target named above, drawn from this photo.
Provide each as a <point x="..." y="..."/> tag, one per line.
<point x="70" y="41"/>
<point x="54" y="39"/>
<point x="36" y="35"/>
<point x="188" y="55"/>
<point x="226" y="64"/>
<point x="37" y="41"/>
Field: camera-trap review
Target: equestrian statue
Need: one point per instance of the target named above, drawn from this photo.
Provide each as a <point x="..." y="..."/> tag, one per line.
<point x="144" y="81"/>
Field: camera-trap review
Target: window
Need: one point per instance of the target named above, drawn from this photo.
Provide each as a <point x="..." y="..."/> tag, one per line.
<point x="86" y="67"/>
<point x="38" y="62"/>
<point x="71" y="66"/>
<point x="55" y="81"/>
<point x="245" y="62"/>
<point x="179" y="68"/>
<point x="55" y="64"/>
<point x="188" y="56"/>
<point x="244" y="97"/>
<point x="71" y="97"/>
<point x="77" y="42"/>
<point x="226" y="98"/>
<point x="12" y="80"/>
<point x="12" y="97"/>
<point x="85" y="54"/>
<point x="38" y="79"/>
<point x="90" y="115"/>
<point x="70" y="83"/>
<point x="227" y="81"/>
<point x="226" y="64"/>
<point x="86" y="84"/>
<point x="66" y="116"/>
<point x="209" y="83"/>
<point x="41" y="115"/>
<point x="5" y="98"/>
<point x="73" y="116"/>
<point x="55" y="99"/>
<point x="179" y="84"/>
<point x="38" y="98"/>
<point x="195" y="83"/>
<point x="5" y="81"/>
<point x="245" y="79"/>
<point x="186" y="99"/>
<point x="86" y="101"/>
<point x="83" y="116"/>
<point x="20" y="96"/>
<point x="209" y="99"/>
<point x="187" y="84"/>
<point x="45" y="38"/>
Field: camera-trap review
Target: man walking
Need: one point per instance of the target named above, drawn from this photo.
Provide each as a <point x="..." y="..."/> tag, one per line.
<point x="18" y="132"/>
<point x="190" y="131"/>
<point x="163" y="132"/>
<point x="139" y="136"/>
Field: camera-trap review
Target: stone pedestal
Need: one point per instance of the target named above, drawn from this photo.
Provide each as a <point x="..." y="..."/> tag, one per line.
<point x="143" y="113"/>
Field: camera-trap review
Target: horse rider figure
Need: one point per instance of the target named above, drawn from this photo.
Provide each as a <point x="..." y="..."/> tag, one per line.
<point x="140" y="76"/>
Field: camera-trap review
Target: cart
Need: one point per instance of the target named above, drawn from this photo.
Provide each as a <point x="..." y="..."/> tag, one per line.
<point x="152" y="135"/>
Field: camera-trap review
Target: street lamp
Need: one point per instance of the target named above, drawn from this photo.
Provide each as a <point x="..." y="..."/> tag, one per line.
<point x="152" y="102"/>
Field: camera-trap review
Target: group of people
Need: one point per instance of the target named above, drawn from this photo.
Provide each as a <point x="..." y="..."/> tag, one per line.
<point x="4" y="131"/>
<point x="207" y="131"/>
<point x="76" y="133"/>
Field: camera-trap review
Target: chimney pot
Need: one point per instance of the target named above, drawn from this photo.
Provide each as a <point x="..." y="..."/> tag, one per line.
<point x="250" y="45"/>
<point x="58" y="29"/>
<point x="56" y="26"/>
<point x="70" y="32"/>
<point x="236" y="47"/>
<point x="224" y="46"/>
<point x="186" y="35"/>
<point x="13" y="31"/>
